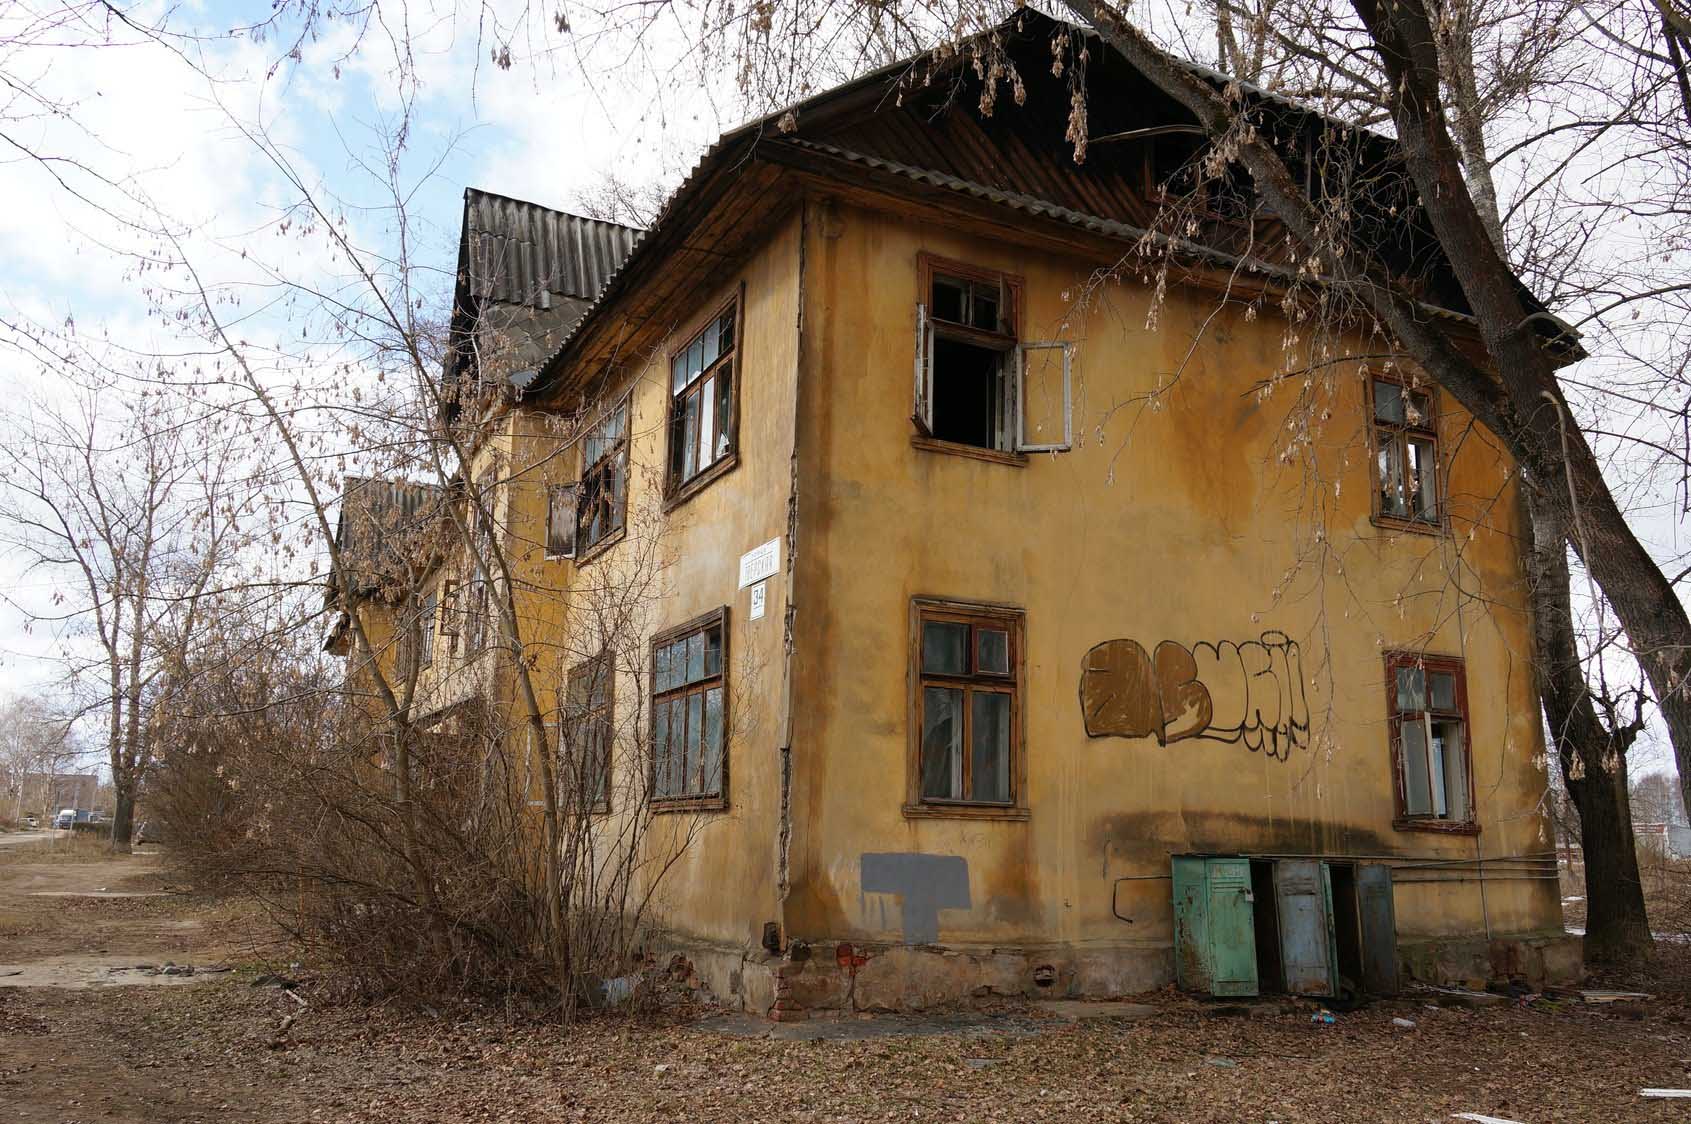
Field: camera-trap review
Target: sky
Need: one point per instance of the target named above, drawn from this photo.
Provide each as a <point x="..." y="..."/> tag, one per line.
<point x="168" y="122"/>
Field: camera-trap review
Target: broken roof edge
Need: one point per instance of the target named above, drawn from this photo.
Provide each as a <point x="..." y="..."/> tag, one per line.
<point x="748" y="134"/>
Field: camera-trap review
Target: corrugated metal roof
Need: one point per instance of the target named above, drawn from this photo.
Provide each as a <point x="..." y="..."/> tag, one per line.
<point x="379" y="524"/>
<point x="522" y="253"/>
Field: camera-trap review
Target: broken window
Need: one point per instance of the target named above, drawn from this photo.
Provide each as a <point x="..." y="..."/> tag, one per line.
<point x="585" y="745"/>
<point x="689" y="709"/>
<point x="968" y="674"/>
<point x="1429" y="703"/>
<point x="701" y="405"/>
<point x="449" y="611"/>
<point x="602" y="494"/>
<point x="1405" y="453"/>
<point x="977" y="384"/>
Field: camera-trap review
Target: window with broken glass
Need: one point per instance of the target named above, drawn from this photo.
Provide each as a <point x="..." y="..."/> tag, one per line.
<point x="1405" y="454"/>
<point x="586" y="730"/>
<point x="1429" y="732"/>
<point x="978" y="385"/>
<point x="702" y="400"/>
<point x="689" y="711"/>
<point x="602" y="494"/>
<point x="968" y="685"/>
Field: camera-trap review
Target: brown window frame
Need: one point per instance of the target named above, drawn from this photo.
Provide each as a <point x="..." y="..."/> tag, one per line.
<point x="1006" y="340"/>
<point x="426" y="623"/>
<point x="699" y="798"/>
<point x="1400" y="436"/>
<point x="679" y="487"/>
<point x="449" y="615"/>
<point x="581" y="710"/>
<point x="1007" y="618"/>
<point x="1395" y="717"/>
<point x="590" y="486"/>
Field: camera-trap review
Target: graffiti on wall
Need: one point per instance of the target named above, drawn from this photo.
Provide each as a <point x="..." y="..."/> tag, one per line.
<point x="925" y="884"/>
<point x="1249" y="693"/>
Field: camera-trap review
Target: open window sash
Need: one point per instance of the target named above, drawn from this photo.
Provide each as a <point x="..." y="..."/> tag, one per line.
<point x="923" y="412"/>
<point x="1040" y="352"/>
<point x="561" y="518"/>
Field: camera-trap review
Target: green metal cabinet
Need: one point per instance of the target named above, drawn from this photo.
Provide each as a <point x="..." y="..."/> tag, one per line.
<point x="1214" y="938"/>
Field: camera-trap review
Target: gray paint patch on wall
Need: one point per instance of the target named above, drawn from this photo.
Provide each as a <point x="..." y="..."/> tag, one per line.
<point x="925" y="883"/>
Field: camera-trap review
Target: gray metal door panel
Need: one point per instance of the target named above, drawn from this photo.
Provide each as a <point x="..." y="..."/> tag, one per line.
<point x="1306" y="929"/>
<point x="1379" y="928"/>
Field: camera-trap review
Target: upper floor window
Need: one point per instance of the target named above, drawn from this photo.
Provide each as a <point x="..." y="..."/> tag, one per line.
<point x="977" y="383"/>
<point x="702" y="399"/>
<point x="426" y="629"/>
<point x="1428" y="698"/>
<point x="582" y="515"/>
<point x="1406" y="453"/>
<point x="968" y="676"/>
<point x="689" y="709"/>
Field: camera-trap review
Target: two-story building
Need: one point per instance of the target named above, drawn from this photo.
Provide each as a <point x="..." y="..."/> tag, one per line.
<point x="1024" y="601"/>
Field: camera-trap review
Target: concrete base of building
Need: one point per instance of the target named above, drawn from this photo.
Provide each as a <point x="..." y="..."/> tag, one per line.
<point x="826" y="978"/>
<point x="1538" y="958"/>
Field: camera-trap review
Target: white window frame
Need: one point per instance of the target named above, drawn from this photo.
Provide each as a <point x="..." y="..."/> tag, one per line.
<point x="1023" y="445"/>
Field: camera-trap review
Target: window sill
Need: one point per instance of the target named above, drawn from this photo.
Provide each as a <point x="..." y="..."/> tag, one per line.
<point x="963" y="812"/>
<point x="996" y="456"/>
<point x="1437" y="827"/>
<point x="600" y="547"/>
<point x="703" y="480"/>
<point x="1413" y="526"/>
<point x="660" y="806"/>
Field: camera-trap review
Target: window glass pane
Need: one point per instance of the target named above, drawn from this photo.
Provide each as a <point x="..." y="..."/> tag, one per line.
<point x="677" y="735"/>
<point x="990" y="755"/>
<point x="695" y="657"/>
<point x="942" y="743"/>
<point x="707" y="423"/>
<point x="713" y="740"/>
<point x="660" y="750"/>
<point x="984" y="310"/>
<point x="1390" y="469"/>
<point x="713" y="651"/>
<point x="992" y="651"/>
<point x="695" y="359"/>
<point x="677" y="441"/>
<point x="945" y="648"/>
<point x="1421" y="493"/>
<point x="690" y="437"/>
<point x="1448" y="737"/>
<point x="951" y="300"/>
<point x="1417" y="408"/>
<point x="660" y="672"/>
<point x="1417" y="791"/>
<point x="1411" y="689"/>
<point x="695" y="730"/>
<point x="710" y="343"/>
<point x="1443" y="685"/>
<point x="725" y="331"/>
<point x="1435" y="771"/>
<point x="1388" y="402"/>
<point x="678" y="374"/>
<point x="724" y="409"/>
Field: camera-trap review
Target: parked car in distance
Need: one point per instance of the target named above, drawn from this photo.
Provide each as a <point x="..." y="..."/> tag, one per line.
<point x="96" y="817"/>
<point x="32" y="821"/>
<point x="64" y="819"/>
<point x="148" y="831"/>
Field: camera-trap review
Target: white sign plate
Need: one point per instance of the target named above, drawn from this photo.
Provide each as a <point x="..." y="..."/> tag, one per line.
<point x="760" y="595"/>
<point x="764" y="562"/>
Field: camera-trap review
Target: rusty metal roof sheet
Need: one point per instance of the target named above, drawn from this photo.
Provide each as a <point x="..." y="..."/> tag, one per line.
<point x="518" y="252"/>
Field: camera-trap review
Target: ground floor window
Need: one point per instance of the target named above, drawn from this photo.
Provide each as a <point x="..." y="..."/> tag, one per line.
<point x="967" y="672"/>
<point x="690" y="710"/>
<point x="1428" y="697"/>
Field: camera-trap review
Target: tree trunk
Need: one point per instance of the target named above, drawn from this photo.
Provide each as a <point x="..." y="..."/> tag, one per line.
<point x="123" y="813"/>
<point x="1592" y="757"/>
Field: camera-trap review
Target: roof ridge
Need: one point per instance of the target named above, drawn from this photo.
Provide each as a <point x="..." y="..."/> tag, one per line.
<point x="471" y="189"/>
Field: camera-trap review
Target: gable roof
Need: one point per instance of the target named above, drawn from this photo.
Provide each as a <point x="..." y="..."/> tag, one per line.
<point x="517" y="252"/>
<point x="925" y="139"/>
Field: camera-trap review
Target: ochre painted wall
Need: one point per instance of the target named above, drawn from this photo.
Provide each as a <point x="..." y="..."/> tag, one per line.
<point x="1173" y="518"/>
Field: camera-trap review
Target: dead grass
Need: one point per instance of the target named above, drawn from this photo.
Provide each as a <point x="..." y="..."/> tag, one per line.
<point x="77" y="847"/>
